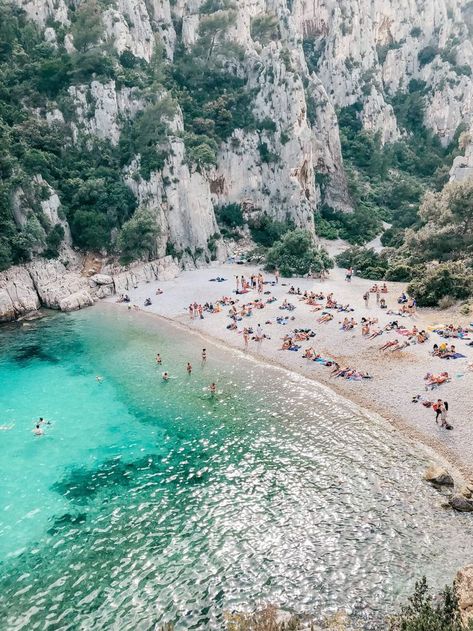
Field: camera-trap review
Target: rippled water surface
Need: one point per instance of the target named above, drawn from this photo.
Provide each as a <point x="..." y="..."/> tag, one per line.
<point x="148" y="502"/>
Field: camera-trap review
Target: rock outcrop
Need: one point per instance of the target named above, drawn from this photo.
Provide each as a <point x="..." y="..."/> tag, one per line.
<point x="438" y="475"/>
<point x="464" y="585"/>
<point x="26" y="288"/>
<point x="461" y="504"/>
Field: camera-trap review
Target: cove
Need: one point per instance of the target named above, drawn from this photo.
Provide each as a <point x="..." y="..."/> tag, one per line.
<point x="147" y="502"/>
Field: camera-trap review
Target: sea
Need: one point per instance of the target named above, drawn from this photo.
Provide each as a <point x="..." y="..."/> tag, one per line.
<point x="148" y="502"/>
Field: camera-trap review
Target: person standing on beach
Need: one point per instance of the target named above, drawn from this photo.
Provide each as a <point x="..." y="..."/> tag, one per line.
<point x="378" y="295"/>
<point x="237" y="280"/>
<point x="191" y="311"/>
<point x="276" y="276"/>
<point x="349" y="274"/>
<point x="443" y="415"/>
<point x="245" y="337"/>
<point x="259" y="333"/>
<point x="366" y="298"/>
<point x="436" y="409"/>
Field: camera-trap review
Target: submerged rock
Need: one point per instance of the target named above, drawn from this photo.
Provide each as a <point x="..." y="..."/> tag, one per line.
<point x="461" y="504"/>
<point x="438" y="475"/>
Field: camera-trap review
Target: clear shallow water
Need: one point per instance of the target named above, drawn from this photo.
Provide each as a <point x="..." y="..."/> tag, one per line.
<point x="148" y="502"/>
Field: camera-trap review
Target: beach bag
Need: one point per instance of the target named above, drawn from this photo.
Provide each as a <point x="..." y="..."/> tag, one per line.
<point x="447" y="426"/>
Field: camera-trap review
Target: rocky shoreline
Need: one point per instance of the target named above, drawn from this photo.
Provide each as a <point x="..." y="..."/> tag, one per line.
<point x="49" y="283"/>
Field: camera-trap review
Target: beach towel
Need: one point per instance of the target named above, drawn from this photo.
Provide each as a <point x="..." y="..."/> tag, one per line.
<point x="454" y="356"/>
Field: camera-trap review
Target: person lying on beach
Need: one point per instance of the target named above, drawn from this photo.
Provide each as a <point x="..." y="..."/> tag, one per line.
<point x="400" y="346"/>
<point x="147" y="302"/>
<point x="308" y="353"/>
<point x="375" y="333"/>
<point x="374" y="288"/>
<point x="159" y="291"/>
<point x="325" y="317"/>
<point x="388" y="344"/>
<point x="436" y="380"/>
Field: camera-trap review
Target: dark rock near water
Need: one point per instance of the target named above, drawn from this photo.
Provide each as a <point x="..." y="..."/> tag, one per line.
<point x="461" y="504"/>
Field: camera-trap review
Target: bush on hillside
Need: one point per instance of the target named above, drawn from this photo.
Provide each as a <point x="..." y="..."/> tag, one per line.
<point x="297" y="255"/>
<point x="266" y="231"/>
<point x="366" y="262"/>
<point x="427" y="613"/>
<point x="137" y="238"/>
<point x="230" y="215"/>
<point x="430" y="284"/>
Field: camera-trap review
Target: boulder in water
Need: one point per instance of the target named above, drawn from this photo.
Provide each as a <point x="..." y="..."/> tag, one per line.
<point x="460" y="503"/>
<point x="438" y="475"/>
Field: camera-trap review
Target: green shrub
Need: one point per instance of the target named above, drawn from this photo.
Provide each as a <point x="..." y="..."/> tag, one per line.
<point x="137" y="238"/>
<point x="427" y="55"/>
<point x="325" y="228"/>
<point x="230" y="215"/>
<point x="297" y="255"/>
<point x="356" y="227"/>
<point x="265" y="231"/>
<point x="399" y="273"/>
<point x="432" y="283"/>
<point x="366" y="262"/>
<point x="53" y="241"/>
<point x="264" y="28"/>
<point x="426" y="613"/>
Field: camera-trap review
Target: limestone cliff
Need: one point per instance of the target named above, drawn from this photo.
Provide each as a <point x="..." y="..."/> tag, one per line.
<point x="298" y="62"/>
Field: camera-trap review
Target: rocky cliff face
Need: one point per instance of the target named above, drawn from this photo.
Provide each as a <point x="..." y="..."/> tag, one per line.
<point x="299" y="62"/>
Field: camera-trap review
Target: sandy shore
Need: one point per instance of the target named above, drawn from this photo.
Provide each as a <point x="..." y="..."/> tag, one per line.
<point x="397" y="376"/>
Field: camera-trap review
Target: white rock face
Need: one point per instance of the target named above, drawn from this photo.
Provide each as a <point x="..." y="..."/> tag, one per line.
<point x="328" y="54"/>
<point x="17" y="294"/>
<point x="75" y="301"/>
<point x="54" y="283"/>
<point x="100" y="105"/>
<point x="165" y="268"/>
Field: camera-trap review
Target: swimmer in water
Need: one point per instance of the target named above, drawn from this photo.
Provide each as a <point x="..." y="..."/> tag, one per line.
<point x="99" y="378"/>
<point x="189" y="368"/>
<point x="165" y="376"/>
<point x="43" y="422"/>
<point x="158" y="359"/>
<point x="204" y="355"/>
<point x="213" y="389"/>
<point x="37" y="430"/>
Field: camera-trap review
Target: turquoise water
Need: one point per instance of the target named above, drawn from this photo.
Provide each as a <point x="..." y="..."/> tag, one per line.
<point x="147" y="502"/>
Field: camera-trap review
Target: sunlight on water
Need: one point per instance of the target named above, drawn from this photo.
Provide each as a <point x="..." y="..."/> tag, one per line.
<point x="147" y="501"/>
